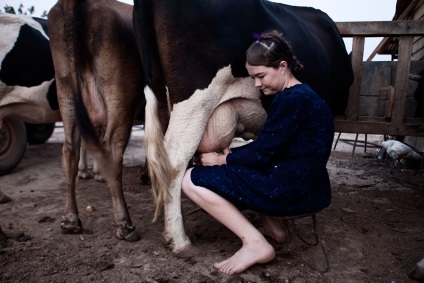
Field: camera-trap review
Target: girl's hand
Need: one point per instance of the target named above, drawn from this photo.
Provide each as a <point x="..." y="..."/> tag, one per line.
<point x="214" y="158"/>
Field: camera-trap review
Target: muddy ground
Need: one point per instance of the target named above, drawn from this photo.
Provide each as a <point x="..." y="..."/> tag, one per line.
<point x="373" y="231"/>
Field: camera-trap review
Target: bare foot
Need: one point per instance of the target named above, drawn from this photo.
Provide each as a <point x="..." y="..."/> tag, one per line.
<point x="248" y="255"/>
<point x="272" y="227"/>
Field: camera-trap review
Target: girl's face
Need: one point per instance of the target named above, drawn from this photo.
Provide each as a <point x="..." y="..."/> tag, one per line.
<point x="269" y="80"/>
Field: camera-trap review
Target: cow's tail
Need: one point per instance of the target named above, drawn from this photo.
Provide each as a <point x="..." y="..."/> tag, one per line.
<point x="158" y="163"/>
<point x="82" y="59"/>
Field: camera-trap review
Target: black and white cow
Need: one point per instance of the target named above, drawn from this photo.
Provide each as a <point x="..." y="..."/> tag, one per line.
<point x="193" y="54"/>
<point x="27" y="89"/>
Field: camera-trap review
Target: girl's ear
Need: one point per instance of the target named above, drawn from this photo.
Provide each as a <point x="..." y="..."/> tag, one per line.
<point x="283" y="64"/>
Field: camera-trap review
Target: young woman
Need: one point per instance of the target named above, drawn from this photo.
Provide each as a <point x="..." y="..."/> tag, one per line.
<point x="283" y="172"/>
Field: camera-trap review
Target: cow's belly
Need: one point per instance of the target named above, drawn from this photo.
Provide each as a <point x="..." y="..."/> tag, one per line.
<point x="29" y="104"/>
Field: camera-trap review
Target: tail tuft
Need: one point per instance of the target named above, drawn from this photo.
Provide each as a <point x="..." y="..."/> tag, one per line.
<point x="158" y="163"/>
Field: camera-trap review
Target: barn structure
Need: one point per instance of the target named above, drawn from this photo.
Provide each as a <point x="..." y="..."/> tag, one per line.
<point x="384" y="98"/>
<point x="408" y="10"/>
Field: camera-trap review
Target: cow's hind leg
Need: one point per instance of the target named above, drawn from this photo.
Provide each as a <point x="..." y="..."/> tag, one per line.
<point x="110" y="166"/>
<point x="70" y="223"/>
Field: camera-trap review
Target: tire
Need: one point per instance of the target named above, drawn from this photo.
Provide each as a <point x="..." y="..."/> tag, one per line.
<point x="13" y="143"/>
<point x="39" y="133"/>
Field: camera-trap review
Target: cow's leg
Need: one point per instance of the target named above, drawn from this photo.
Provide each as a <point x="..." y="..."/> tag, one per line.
<point x="125" y="229"/>
<point x="174" y="225"/>
<point x="218" y="135"/>
<point x="70" y="223"/>
<point x="182" y="141"/>
<point x="110" y="162"/>
<point x="219" y="132"/>
<point x="96" y="171"/>
<point x="83" y="165"/>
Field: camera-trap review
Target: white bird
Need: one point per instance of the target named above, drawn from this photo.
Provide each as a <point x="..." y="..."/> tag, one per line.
<point x="398" y="150"/>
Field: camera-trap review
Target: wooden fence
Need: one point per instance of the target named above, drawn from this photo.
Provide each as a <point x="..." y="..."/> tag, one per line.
<point x="381" y="98"/>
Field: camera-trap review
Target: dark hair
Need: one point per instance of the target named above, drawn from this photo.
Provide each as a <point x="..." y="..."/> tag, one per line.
<point x="269" y="49"/>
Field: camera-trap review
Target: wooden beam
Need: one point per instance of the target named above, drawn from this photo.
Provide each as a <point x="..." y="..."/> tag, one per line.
<point x="381" y="28"/>
<point x="379" y="128"/>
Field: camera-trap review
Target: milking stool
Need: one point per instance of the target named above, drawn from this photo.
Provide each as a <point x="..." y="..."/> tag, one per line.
<point x="294" y="231"/>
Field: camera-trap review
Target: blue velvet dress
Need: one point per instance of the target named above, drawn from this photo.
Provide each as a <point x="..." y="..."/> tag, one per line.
<point x="282" y="172"/>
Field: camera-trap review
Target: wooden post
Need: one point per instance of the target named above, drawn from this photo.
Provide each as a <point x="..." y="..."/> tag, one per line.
<point x="352" y="111"/>
<point x="402" y="78"/>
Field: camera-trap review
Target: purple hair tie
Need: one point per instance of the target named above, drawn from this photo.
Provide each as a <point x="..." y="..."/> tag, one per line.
<point x="257" y="36"/>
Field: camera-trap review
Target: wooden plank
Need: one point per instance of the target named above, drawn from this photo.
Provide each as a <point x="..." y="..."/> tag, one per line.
<point x="382" y="119"/>
<point x="377" y="93"/>
<point x="388" y="94"/>
<point x="352" y="110"/>
<point x="402" y="78"/>
<point x="376" y="75"/>
<point x="381" y="28"/>
<point x="419" y="11"/>
<point x="418" y="48"/>
<point x="379" y="128"/>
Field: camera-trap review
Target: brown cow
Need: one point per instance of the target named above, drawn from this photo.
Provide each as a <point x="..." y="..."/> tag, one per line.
<point x="97" y="69"/>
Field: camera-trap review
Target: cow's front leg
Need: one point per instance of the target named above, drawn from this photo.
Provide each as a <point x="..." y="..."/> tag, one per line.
<point x="96" y="171"/>
<point x="83" y="164"/>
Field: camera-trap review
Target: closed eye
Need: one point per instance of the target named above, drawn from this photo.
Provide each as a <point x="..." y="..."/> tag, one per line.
<point x="259" y="76"/>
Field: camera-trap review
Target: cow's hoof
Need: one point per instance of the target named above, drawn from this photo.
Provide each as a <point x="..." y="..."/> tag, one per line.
<point x="128" y="233"/>
<point x="188" y="252"/>
<point x="99" y="178"/>
<point x="84" y="174"/>
<point x="69" y="226"/>
<point x="134" y="236"/>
